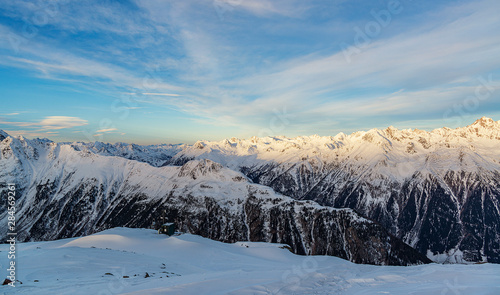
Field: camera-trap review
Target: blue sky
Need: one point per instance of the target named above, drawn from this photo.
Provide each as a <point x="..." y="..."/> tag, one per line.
<point x="179" y="71"/>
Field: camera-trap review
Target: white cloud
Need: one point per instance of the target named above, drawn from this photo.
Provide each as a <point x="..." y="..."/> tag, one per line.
<point x="154" y="94"/>
<point x="431" y="64"/>
<point x="289" y="8"/>
<point x="106" y="130"/>
<point x="50" y="123"/>
<point x="61" y="122"/>
<point x="78" y="16"/>
<point x="262" y="7"/>
<point x="60" y="64"/>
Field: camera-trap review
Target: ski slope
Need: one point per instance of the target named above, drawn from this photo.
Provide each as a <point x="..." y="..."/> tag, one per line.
<point x="116" y="261"/>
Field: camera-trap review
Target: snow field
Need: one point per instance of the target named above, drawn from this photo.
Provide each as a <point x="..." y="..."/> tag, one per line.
<point x="116" y="261"/>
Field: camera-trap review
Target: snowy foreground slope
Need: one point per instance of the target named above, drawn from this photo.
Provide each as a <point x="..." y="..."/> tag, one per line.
<point x="438" y="191"/>
<point x="65" y="192"/>
<point x="116" y="261"/>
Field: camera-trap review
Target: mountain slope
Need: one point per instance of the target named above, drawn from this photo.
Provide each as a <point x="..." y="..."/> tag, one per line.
<point x="67" y="192"/>
<point x="155" y="155"/>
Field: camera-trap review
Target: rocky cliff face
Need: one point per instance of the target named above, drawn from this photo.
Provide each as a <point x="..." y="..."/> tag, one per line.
<point x="67" y="192"/>
<point x="455" y="215"/>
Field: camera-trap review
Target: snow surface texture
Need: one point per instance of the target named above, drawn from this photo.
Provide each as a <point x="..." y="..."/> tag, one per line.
<point x="117" y="260"/>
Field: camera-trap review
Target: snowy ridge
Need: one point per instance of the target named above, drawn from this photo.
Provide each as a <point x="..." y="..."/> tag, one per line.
<point x="155" y="155"/>
<point x="388" y="150"/>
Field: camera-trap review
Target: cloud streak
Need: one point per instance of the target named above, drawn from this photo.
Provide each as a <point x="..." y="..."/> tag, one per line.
<point x="106" y="130"/>
<point x="49" y="123"/>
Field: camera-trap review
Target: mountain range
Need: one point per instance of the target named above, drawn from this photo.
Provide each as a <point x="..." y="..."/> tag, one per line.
<point x="381" y="197"/>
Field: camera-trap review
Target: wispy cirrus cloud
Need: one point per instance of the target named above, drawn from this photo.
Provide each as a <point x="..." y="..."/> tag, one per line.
<point x="432" y="65"/>
<point x="106" y="130"/>
<point x="238" y="71"/>
<point x="267" y="7"/>
<point x="430" y="62"/>
<point x="61" y="122"/>
<point x="49" y="123"/>
<point x="80" y="16"/>
<point x="153" y="94"/>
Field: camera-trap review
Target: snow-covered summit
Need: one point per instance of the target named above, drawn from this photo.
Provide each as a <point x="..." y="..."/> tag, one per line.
<point x="384" y="149"/>
<point x="486" y="122"/>
<point x="383" y="152"/>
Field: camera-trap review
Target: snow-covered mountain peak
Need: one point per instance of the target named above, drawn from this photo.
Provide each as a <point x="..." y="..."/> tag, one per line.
<point x="381" y="157"/>
<point x="483" y="127"/>
<point x="3" y="135"/>
<point x="205" y="168"/>
<point x="486" y="122"/>
<point x="340" y="136"/>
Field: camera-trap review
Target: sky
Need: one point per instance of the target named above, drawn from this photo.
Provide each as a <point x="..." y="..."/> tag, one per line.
<point x="153" y="71"/>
